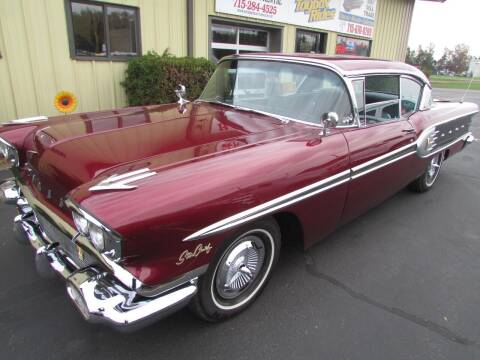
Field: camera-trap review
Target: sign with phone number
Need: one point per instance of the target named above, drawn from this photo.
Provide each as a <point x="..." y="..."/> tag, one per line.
<point x="354" y="17"/>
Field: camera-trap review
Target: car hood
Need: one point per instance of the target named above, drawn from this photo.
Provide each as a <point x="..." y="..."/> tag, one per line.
<point x="74" y="150"/>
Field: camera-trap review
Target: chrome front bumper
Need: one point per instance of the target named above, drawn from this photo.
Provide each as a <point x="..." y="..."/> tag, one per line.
<point x="98" y="294"/>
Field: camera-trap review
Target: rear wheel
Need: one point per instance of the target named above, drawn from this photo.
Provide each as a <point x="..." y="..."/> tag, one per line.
<point x="239" y="272"/>
<point x="428" y="178"/>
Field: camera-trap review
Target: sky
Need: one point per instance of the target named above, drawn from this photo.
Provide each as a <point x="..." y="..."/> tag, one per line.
<point x="446" y="25"/>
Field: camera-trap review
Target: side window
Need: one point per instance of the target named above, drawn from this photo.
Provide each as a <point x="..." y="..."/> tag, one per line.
<point x="427" y="101"/>
<point x="410" y="94"/>
<point x="382" y="95"/>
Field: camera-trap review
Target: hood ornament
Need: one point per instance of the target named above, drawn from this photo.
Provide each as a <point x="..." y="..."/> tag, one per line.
<point x="122" y="182"/>
<point x="180" y="91"/>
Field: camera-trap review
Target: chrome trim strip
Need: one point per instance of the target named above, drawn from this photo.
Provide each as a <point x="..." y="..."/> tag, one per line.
<point x="273" y="205"/>
<point x="365" y="172"/>
<point x="386" y="156"/>
<point x="28" y="120"/>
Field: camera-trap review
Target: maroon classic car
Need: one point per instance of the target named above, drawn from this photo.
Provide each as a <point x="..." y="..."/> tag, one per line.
<point x="144" y="210"/>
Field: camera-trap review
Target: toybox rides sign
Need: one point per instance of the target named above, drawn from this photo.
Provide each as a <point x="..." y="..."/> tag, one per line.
<point x="355" y="17"/>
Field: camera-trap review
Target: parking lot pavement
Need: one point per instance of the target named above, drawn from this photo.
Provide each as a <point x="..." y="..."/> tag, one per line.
<point x="401" y="282"/>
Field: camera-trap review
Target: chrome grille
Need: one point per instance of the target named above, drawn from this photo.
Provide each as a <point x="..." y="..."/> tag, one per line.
<point x="64" y="241"/>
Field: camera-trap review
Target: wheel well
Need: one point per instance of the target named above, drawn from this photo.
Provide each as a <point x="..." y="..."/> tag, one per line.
<point x="290" y="229"/>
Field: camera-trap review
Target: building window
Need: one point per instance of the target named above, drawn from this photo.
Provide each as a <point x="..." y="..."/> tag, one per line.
<point x="310" y="42"/>
<point x="232" y="39"/>
<point x="352" y="46"/>
<point x="101" y="31"/>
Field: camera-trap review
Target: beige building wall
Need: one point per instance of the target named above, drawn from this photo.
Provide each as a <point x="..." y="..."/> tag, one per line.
<point x="36" y="61"/>
<point x="392" y="28"/>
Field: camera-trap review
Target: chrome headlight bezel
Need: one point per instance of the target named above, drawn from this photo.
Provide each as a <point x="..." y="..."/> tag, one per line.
<point x="103" y="239"/>
<point x="8" y="155"/>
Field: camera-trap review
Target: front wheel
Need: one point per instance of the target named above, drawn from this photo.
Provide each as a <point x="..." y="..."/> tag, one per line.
<point x="428" y="178"/>
<point x="239" y="272"/>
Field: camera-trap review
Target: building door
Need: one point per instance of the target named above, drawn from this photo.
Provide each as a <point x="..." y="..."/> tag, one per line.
<point x="310" y="42"/>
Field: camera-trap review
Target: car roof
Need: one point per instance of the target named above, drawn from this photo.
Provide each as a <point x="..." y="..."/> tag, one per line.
<point x="347" y="65"/>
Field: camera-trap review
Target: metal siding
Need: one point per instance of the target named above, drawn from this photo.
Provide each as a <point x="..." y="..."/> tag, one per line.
<point x="36" y="61"/>
<point x="7" y="101"/>
<point x="392" y="27"/>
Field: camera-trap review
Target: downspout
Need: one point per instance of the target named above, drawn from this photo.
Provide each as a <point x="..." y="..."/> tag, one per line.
<point x="190" y="28"/>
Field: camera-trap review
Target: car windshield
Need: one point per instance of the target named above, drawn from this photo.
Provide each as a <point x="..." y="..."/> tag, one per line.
<point x="286" y="89"/>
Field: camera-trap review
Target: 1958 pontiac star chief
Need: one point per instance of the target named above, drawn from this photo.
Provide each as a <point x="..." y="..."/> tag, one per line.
<point x="144" y="210"/>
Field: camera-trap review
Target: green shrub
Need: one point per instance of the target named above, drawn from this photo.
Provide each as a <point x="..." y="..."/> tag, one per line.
<point x="151" y="78"/>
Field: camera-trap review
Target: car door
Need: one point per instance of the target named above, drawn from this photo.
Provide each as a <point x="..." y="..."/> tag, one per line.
<point x="383" y="147"/>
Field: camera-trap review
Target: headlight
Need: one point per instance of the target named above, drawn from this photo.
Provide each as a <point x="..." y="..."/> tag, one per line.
<point x="96" y="236"/>
<point x="80" y="222"/>
<point x="102" y="238"/>
<point x="8" y="155"/>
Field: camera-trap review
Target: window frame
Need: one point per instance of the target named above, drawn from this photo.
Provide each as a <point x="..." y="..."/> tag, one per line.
<point x="323" y="36"/>
<point x="104" y="5"/>
<point x="370" y="42"/>
<point x="275" y="34"/>
<point x="363" y="76"/>
<point x="237" y="47"/>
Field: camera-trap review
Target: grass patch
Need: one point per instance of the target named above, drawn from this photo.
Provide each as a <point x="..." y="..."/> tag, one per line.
<point x="454" y="82"/>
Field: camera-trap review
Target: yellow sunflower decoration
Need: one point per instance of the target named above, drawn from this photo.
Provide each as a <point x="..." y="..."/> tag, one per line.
<point x="65" y="102"/>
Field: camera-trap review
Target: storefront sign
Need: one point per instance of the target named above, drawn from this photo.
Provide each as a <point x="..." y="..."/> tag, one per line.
<point x="354" y="17"/>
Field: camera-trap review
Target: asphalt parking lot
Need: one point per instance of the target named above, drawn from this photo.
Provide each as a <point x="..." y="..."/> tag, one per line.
<point x="401" y="282"/>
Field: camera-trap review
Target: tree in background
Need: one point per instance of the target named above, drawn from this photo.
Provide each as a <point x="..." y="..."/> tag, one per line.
<point x="423" y="59"/>
<point x="456" y="61"/>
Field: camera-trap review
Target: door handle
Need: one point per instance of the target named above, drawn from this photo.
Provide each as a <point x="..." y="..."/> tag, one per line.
<point x="408" y="131"/>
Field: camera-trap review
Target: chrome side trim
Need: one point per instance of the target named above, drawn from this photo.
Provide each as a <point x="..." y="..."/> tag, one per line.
<point x="464" y="138"/>
<point x="122" y="182"/>
<point x="382" y="164"/>
<point x="28" y="120"/>
<point x="273" y="205"/>
<point x="383" y="160"/>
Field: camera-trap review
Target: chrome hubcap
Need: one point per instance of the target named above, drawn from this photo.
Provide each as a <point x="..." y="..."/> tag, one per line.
<point x="434" y="168"/>
<point x="240" y="267"/>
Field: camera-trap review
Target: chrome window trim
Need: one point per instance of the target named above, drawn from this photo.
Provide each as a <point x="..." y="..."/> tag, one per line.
<point x="328" y="63"/>
<point x="372" y="72"/>
<point x="356" y="109"/>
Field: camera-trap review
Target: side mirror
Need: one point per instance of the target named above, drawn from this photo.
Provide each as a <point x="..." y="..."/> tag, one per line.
<point x="329" y="121"/>
<point x="180" y="91"/>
